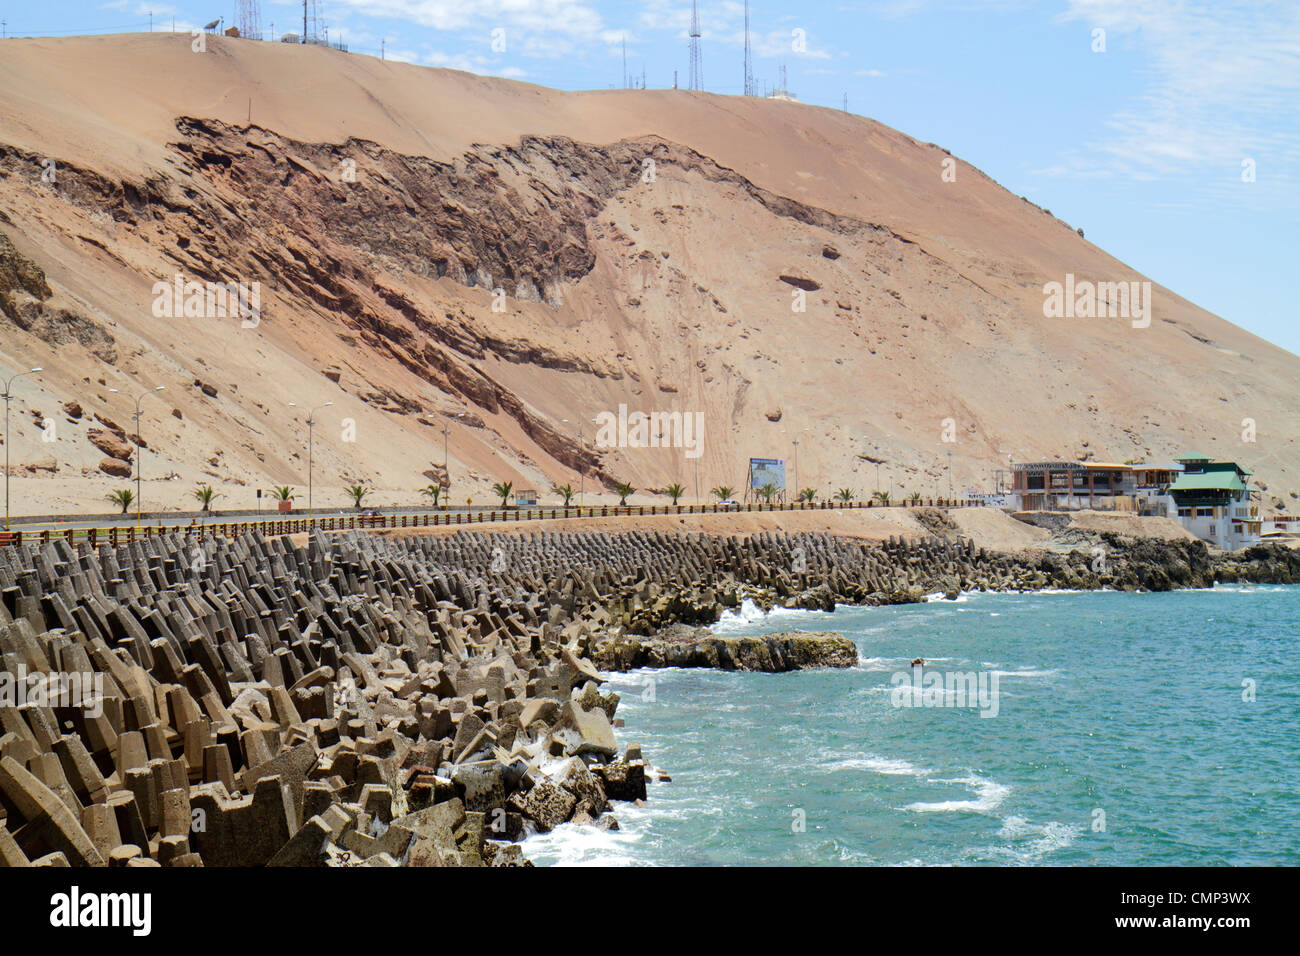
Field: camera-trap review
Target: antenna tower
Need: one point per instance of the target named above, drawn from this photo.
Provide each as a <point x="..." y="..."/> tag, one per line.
<point x="697" y="79"/>
<point x="312" y="23"/>
<point x="749" y="63"/>
<point x="250" y="19"/>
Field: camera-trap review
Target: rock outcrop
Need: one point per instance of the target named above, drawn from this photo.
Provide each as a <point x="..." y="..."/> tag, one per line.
<point x="682" y="646"/>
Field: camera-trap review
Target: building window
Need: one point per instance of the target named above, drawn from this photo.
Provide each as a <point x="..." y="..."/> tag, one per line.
<point x="1205" y="512"/>
<point x="1184" y="512"/>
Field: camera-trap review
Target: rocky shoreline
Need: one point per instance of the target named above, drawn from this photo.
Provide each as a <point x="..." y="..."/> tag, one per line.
<point x="362" y="700"/>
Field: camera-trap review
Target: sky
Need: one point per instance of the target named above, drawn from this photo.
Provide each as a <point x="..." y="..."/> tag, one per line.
<point x="1169" y="130"/>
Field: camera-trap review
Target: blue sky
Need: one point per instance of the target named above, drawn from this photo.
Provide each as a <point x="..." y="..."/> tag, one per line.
<point x="1146" y="144"/>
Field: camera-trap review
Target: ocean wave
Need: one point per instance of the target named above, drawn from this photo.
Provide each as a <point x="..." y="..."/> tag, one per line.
<point x="750" y="614"/>
<point x="1032" y="841"/>
<point x="884" y="765"/>
<point x="988" y="796"/>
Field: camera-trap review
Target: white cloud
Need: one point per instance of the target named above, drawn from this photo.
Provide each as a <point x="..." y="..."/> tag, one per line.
<point x="577" y="18"/>
<point x="1222" y="84"/>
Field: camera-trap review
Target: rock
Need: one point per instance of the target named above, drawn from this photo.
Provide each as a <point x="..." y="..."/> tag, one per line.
<point x="72" y="409"/>
<point x="547" y="805"/>
<point x="116" y="467"/>
<point x="783" y="651"/>
<point x="584" y="731"/>
<point x="801" y="282"/>
<point x="110" y="444"/>
<point x="773" y="414"/>
<point x="579" y="781"/>
<point x="623" y="779"/>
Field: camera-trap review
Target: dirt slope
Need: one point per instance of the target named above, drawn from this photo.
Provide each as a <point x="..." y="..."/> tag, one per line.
<point x="648" y="247"/>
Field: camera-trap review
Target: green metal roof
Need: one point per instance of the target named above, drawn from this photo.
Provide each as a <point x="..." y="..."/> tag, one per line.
<point x="1209" y="481"/>
<point x="1194" y="456"/>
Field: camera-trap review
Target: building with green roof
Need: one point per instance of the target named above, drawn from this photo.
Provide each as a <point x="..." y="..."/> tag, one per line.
<point x="1215" y="502"/>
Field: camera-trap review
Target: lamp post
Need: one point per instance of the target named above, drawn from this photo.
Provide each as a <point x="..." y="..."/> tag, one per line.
<point x="949" y="476"/>
<point x="795" y="442"/>
<point x="311" y="422"/>
<point x="139" y="448"/>
<point x="7" y="396"/>
<point x="446" y="466"/>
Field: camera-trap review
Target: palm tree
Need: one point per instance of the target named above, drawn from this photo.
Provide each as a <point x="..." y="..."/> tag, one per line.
<point x="623" y="489"/>
<point x="282" y="493"/>
<point x="914" y="497"/>
<point x="356" y="492"/>
<point x="808" y="494"/>
<point x="723" y="492"/>
<point x="503" y="488"/>
<point x="122" y="498"/>
<point x="882" y="497"/>
<point x="674" y="491"/>
<point x="204" y="495"/>
<point x="845" y="495"/>
<point x="432" y="492"/>
<point x="565" y="492"/>
<point x="767" y="492"/>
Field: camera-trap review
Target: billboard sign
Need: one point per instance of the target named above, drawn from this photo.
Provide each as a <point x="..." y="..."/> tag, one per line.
<point x="764" y="471"/>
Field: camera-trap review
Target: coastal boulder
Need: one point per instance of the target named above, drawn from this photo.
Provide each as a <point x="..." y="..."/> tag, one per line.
<point x="584" y="731"/>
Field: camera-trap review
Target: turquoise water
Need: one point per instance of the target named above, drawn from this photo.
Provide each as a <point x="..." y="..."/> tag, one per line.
<point x="1121" y="738"/>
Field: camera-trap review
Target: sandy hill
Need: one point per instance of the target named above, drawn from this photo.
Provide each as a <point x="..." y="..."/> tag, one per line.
<point x="648" y="246"/>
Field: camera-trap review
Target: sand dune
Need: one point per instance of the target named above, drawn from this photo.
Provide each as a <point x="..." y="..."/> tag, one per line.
<point x="379" y="205"/>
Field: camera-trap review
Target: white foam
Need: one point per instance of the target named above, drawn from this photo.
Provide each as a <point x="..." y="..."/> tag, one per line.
<point x="988" y="796"/>
<point x="750" y="615"/>
<point x="1047" y="838"/>
<point x="883" y="765"/>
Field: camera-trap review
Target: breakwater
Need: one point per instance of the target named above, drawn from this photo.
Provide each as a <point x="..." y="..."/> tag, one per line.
<point x="356" y="700"/>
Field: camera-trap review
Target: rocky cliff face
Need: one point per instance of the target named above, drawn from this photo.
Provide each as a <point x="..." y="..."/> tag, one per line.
<point x="434" y="252"/>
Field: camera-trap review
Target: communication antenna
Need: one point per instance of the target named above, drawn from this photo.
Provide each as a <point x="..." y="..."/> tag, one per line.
<point x="749" y="63"/>
<point x="312" y="23"/>
<point x="250" y="19"/>
<point x="697" y="79"/>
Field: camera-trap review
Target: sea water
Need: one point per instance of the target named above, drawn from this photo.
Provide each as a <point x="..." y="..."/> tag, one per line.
<point x="1130" y="729"/>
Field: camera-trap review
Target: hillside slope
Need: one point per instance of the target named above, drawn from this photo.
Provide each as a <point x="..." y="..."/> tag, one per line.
<point x="648" y="245"/>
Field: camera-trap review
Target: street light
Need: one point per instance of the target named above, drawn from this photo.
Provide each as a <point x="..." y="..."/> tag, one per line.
<point x="795" y="442"/>
<point x="446" y="466"/>
<point x="310" y="423"/>
<point x="582" y="474"/>
<point x="139" y="448"/>
<point x="7" y="396"/>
